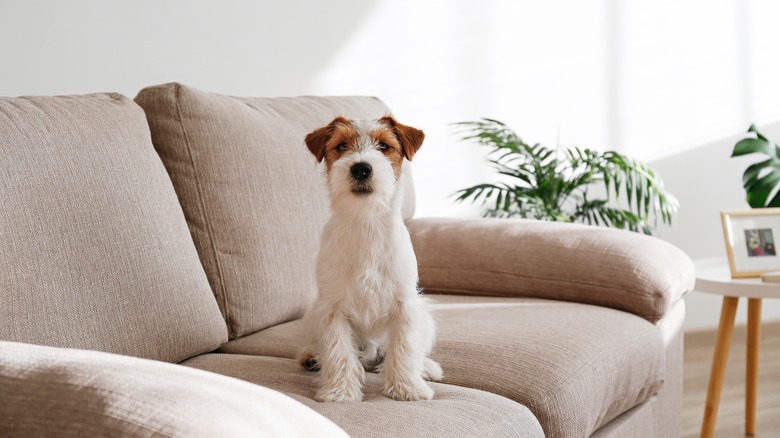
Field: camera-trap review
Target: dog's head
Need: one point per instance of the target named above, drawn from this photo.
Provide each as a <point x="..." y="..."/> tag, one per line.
<point x="363" y="158"/>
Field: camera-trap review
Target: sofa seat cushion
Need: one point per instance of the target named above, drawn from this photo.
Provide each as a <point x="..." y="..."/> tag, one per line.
<point x="454" y="411"/>
<point x="576" y="366"/>
<point x="94" y="247"/>
<point x="253" y="195"/>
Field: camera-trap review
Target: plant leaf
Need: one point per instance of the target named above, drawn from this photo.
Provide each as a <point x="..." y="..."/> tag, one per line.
<point x="775" y="201"/>
<point x="751" y="173"/>
<point x="751" y="146"/>
<point x="753" y="128"/>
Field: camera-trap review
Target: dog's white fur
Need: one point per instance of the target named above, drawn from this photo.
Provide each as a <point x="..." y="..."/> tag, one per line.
<point x="368" y="301"/>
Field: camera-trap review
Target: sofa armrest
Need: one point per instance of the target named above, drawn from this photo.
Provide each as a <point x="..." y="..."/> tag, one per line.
<point x="571" y="262"/>
<point x="47" y="391"/>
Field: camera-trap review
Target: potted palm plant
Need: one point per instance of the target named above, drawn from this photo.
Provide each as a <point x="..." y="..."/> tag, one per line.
<point x="566" y="184"/>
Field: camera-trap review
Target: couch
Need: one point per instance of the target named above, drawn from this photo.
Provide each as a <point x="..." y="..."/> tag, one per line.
<point x="157" y="256"/>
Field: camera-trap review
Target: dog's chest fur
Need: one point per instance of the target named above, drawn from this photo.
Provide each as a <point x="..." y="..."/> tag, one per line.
<point x="368" y="262"/>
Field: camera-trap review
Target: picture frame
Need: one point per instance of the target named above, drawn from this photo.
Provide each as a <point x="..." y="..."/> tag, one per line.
<point x="750" y="238"/>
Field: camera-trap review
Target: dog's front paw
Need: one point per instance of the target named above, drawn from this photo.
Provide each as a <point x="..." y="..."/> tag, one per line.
<point x="311" y="363"/>
<point x="339" y="394"/>
<point x="405" y="390"/>
<point x="432" y="370"/>
<point x="309" y="359"/>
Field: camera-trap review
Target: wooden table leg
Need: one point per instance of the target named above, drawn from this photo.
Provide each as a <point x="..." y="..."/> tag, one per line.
<point x="751" y="377"/>
<point x="726" y="327"/>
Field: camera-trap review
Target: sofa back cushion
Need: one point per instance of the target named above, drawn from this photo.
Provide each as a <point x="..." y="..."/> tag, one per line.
<point x="94" y="248"/>
<point x="253" y="195"/>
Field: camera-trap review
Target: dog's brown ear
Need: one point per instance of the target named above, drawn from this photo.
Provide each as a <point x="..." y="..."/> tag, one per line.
<point x="317" y="140"/>
<point x="410" y="138"/>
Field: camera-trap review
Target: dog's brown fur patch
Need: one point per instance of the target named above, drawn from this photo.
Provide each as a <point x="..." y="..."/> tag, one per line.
<point x="410" y="138"/>
<point x="343" y="133"/>
<point x="323" y="142"/>
<point x="394" y="151"/>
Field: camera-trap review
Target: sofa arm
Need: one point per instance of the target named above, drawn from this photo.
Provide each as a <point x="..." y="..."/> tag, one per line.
<point x="47" y="391"/>
<point x="571" y="262"/>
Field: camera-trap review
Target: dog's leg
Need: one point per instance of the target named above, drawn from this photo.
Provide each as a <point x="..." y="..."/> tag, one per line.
<point x="404" y="363"/>
<point x="431" y="369"/>
<point x="308" y="355"/>
<point x="341" y="373"/>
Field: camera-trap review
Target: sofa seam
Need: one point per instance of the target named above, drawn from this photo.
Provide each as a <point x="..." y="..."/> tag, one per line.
<point x="679" y="283"/>
<point x="654" y="297"/>
<point x="209" y="230"/>
<point x="493" y="271"/>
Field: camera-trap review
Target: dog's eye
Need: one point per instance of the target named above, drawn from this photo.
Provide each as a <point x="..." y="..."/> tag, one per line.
<point x="382" y="146"/>
<point x="341" y="147"/>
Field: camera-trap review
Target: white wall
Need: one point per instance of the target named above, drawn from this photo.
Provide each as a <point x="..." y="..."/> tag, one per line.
<point x="659" y="80"/>
<point x="247" y="47"/>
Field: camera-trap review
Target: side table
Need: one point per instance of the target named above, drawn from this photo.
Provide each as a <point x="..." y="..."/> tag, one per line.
<point x="713" y="276"/>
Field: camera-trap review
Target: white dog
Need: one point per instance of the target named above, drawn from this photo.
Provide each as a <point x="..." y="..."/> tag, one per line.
<point x="368" y="314"/>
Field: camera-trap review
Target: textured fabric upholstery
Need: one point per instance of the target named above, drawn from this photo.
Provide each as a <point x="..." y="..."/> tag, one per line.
<point x="454" y="411"/>
<point x="575" y="366"/>
<point x="94" y="248"/>
<point x="254" y="198"/>
<point x="661" y="416"/>
<point x="56" y="392"/>
<point x="619" y="269"/>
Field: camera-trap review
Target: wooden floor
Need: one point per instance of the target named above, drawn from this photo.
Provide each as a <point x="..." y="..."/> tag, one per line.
<point x="731" y="415"/>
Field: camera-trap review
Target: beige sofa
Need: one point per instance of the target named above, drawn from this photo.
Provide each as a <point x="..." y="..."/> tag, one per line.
<point x="157" y="256"/>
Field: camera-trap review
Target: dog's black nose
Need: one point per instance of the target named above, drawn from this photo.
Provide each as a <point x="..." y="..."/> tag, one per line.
<point x="361" y="171"/>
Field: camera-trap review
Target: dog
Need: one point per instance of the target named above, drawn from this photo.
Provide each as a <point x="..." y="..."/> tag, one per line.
<point x="369" y="314"/>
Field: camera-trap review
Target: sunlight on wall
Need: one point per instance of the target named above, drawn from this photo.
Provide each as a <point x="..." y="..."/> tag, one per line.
<point x="647" y="79"/>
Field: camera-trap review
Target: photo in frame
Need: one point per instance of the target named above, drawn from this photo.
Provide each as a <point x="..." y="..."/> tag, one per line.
<point x="751" y="238"/>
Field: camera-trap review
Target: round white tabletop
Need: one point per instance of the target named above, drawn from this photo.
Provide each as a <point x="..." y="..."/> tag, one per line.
<point x="713" y="276"/>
